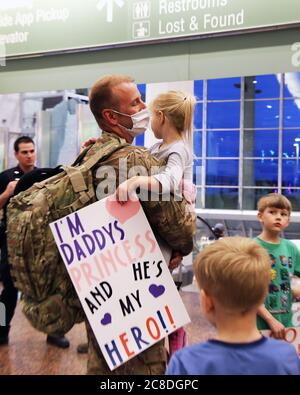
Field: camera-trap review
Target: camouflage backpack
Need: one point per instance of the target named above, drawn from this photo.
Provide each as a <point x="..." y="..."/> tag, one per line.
<point x="50" y="302"/>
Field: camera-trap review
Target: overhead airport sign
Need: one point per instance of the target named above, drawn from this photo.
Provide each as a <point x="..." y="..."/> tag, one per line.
<point x="32" y="27"/>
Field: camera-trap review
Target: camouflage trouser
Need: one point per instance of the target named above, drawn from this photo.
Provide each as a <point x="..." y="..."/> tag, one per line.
<point x="150" y="362"/>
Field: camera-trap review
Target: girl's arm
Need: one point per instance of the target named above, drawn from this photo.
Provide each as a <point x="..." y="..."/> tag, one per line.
<point x="277" y="328"/>
<point x="171" y="175"/>
<point x="166" y="181"/>
<point x="127" y="190"/>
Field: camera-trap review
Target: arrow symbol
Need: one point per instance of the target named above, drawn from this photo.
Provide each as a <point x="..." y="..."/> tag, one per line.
<point x="109" y="10"/>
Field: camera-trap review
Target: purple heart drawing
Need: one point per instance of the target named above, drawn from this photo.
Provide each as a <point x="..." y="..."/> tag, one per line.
<point x="106" y="319"/>
<point x="156" y="290"/>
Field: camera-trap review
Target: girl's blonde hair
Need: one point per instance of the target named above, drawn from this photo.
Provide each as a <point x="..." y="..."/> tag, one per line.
<point x="178" y="107"/>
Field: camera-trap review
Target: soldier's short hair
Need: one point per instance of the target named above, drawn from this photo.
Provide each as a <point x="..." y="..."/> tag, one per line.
<point x="101" y="96"/>
<point x="235" y="271"/>
<point x="275" y="200"/>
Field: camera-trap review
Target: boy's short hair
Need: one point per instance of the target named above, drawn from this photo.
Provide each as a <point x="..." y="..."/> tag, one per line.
<point x="275" y="200"/>
<point x="235" y="271"/>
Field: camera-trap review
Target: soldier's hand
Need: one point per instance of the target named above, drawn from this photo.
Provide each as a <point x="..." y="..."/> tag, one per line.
<point x="10" y="189"/>
<point x="88" y="142"/>
<point x="175" y="260"/>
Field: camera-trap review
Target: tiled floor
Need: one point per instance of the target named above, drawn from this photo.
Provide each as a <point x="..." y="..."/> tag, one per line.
<point x="28" y="352"/>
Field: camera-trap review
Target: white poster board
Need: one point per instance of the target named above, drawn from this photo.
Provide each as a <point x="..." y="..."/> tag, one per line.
<point x="120" y="276"/>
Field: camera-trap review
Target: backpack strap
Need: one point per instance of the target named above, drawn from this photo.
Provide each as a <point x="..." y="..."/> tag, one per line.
<point x="82" y="154"/>
<point x="76" y="178"/>
<point x="75" y="173"/>
<point x="105" y="149"/>
<point x="80" y="157"/>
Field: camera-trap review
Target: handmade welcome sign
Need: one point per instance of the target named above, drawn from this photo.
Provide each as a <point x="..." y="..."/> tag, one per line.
<point x="119" y="273"/>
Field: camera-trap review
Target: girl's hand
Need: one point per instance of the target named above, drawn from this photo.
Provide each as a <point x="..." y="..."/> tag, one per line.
<point x="127" y="190"/>
<point x="277" y="329"/>
<point x="175" y="260"/>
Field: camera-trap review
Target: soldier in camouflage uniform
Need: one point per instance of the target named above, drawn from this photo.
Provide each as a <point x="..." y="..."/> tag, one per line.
<point x="113" y="101"/>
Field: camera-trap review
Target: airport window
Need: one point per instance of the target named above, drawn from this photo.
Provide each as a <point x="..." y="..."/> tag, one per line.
<point x="139" y="140"/>
<point x="223" y="115"/>
<point x="198" y="89"/>
<point x="260" y="172"/>
<point x="224" y="89"/>
<point x="293" y="195"/>
<point x="197" y="176"/>
<point x="261" y="143"/>
<point x="197" y="137"/>
<point x="261" y="114"/>
<point x="199" y="197"/>
<point x="221" y="198"/>
<point x="291" y="143"/>
<point x="251" y="196"/>
<point x="250" y="130"/>
<point x="291" y="171"/>
<point x="291" y="87"/>
<point x="263" y="86"/>
<point x="222" y="172"/>
<point x="223" y="143"/>
<point x="198" y="116"/>
<point x="291" y="113"/>
<point x="142" y="89"/>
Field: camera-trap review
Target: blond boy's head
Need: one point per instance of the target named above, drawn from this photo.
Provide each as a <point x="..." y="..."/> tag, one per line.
<point x="235" y="272"/>
<point x="274" y="200"/>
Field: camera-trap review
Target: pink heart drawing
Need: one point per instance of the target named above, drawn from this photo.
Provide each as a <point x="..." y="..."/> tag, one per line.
<point x="122" y="212"/>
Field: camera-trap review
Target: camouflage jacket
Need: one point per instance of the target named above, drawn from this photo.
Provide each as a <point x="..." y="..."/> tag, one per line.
<point x="172" y="220"/>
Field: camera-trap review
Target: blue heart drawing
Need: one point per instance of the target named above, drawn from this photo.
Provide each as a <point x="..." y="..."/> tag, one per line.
<point x="156" y="290"/>
<point x="106" y="319"/>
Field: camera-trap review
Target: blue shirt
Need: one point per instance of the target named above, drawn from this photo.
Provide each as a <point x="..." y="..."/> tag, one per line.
<point x="264" y="356"/>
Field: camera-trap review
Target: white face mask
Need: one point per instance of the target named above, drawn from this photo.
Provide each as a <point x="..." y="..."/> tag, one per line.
<point x="140" y="122"/>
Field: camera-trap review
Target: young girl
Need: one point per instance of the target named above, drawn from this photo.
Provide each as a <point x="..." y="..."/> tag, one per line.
<point x="172" y="122"/>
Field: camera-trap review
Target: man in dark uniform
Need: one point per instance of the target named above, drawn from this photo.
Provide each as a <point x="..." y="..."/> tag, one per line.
<point x="25" y="154"/>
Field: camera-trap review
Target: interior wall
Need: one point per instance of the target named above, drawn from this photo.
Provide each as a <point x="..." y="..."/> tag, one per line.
<point x="246" y="54"/>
